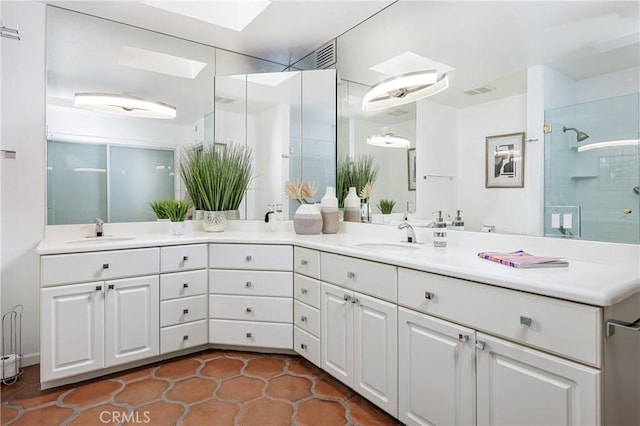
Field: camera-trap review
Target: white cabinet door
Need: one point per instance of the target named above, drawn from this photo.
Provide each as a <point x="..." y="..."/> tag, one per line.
<point x="337" y="332"/>
<point x="375" y="366"/>
<point x="132" y="325"/>
<point x="72" y="339"/>
<point x="437" y="371"/>
<point x="522" y="386"/>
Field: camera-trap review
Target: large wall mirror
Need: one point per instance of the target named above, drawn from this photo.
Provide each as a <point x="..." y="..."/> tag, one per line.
<point x="515" y="67"/>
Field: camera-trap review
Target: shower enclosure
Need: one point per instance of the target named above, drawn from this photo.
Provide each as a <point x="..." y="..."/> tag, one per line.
<point x="592" y="170"/>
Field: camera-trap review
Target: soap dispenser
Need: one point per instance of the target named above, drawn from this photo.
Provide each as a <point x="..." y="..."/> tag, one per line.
<point x="458" y="223"/>
<point x="439" y="231"/>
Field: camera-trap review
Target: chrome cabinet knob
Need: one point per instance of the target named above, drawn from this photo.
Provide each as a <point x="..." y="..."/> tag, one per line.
<point x="185" y="258"/>
<point x="463" y="338"/>
<point x="110" y="287"/>
<point x="346" y="297"/>
<point x="303" y="346"/>
<point x="303" y="318"/>
<point x="185" y="311"/>
<point x="249" y="310"/>
<point x="351" y="275"/>
<point x="526" y="321"/>
<point x="428" y="295"/>
<point x="247" y="284"/>
<point x="249" y="335"/>
<point x="303" y="290"/>
<point x="248" y="259"/>
<point x="185" y="285"/>
<point x="303" y="262"/>
<point x="354" y="300"/>
<point x="98" y="288"/>
<point x="105" y="266"/>
<point x="185" y="337"/>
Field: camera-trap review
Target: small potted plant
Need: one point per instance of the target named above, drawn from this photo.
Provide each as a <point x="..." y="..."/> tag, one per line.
<point x="176" y="210"/>
<point x="386" y="207"/>
<point x="159" y="208"/>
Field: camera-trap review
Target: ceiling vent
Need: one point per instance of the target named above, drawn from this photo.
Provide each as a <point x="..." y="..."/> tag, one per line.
<point x="480" y="90"/>
<point x="326" y="55"/>
<point x="222" y="100"/>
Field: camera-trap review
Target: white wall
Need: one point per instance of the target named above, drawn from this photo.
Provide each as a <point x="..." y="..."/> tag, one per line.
<point x="624" y="82"/>
<point x="506" y="208"/>
<point x="23" y="179"/>
<point x="437" y="160"/>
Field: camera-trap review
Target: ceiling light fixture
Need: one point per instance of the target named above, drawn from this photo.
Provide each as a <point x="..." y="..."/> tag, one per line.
<point x="404" y="89"/>
<point x="124" y="105"/>
<point x="608" y="144"/>
<point x="389" y="141"/>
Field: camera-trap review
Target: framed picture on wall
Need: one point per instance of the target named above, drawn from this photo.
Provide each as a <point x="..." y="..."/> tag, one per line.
<point x="411" y="168"/>
<point x="504" y="161"/>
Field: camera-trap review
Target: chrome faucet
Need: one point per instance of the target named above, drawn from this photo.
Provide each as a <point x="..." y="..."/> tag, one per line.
<point x="99" y="222"/>
<point x="411" y="233"/>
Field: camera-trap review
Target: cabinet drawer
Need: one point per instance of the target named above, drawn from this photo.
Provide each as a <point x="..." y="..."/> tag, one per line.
<point x="183" y="258"/>
<point x="251" y="256"/>
<point x="247" y="333"/>
<point x="183" y="336"/>
<point x="566" y="328"/>
<point x="306" y="345"/>
<point x="273" y="309"/>
<point x="251" y="283"/>
<point x="375" y="279"/>
<point x="98" y="266"/>
<point x="307" y="318"/>
<point x="183" y="284"/>
<point x="307" y="290"/>
<point x="186" y="309"/>
<point x="306" y="262"/>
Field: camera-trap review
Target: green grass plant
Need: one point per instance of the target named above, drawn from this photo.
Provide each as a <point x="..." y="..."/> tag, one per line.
<point x="386" y="206"/>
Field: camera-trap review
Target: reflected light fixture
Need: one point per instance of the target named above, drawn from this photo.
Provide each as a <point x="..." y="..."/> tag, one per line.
<point x="403" y="89"/>
<point x="389" y="141"/>
<point x="609" y="144"/>
<point x="124" y="105"/>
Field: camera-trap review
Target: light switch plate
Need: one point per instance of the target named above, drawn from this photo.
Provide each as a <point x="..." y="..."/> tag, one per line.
<point x="562" y="221"/>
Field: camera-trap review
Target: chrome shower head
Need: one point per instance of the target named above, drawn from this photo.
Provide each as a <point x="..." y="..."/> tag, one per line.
<point x="580" y="135"/>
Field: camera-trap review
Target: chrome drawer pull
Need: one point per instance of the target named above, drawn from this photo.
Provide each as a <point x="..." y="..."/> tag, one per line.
<point x="303" y="290"/>
<point x="185" y="311"/>
<point x="247" y="284"/>
<point x="249" y="335"/>
<point x="303" y="318"/>
<point x="610" y="326"/>
<point x="98" y="287"/>
<point x="428" y="295"/>
<point x="303" y="346"/>
<point x="351" y="275"/>
<point x="105" y="266"/>
<point x="185" y="258"/>
<point x="346" y="297"/>
<point x="247" y="259"/>
<point x="110" y="286"/>
<point x="463" y="338"/>
<point x="481" y="345"/>
<point x="303" y="262"/>
<point x="185" y="285"/>
<point x="185" y="337"/>
<point x="525" y="321"/>
<point x="354" y="300"/>
<point x="248" y="310"/>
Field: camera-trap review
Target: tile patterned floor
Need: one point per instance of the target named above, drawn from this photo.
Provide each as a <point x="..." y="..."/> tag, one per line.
<point x="208" y="388"/>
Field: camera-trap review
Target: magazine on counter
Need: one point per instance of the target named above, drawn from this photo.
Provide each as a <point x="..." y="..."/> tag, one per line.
<point x="522" y="259"/>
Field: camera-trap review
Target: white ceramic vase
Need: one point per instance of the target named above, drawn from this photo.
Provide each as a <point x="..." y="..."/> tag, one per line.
<point x="307" y="220"/>
<point x="177" y="228"/>
<point x="214" y="221"/>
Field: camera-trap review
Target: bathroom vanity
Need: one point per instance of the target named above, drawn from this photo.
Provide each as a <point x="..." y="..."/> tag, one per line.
<point x="432" y="336"/>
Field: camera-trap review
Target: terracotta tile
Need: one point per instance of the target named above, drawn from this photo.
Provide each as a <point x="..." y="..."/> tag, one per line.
<point x="107" y="414"/>
<point x="207" y="355"/>
<point x="303" y="367"/>
<point x="134" y="374"/>
<point x="141" y="392"/>
<point x="158" y="413"/>
<point x="31" y="374"/>
<point x="211" y="412"/>
<point x="241" y="389"/>
<point x="242" y="355"/>
<point x="7" y="414"/>
<point x="330" y="387"/>
<point x="318" y="412"/>
<point x="289" y="387"/>
<point x="265" y="367"/>
<point x="32" y="396"/>
<point x="222" y="368"/>
<point x="178" y="369"/>
<point x="193" y="389"/>
<point x="51" y="415"/>
<point x="266" y="412"/>
<point x="92" y="393"/>
<point x="7" y="391"/>
<point x="364" y="413"/>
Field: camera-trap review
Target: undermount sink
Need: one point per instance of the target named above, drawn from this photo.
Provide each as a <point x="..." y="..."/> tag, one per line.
<point x="389" y="246"/>
<point x="94" y="240"/>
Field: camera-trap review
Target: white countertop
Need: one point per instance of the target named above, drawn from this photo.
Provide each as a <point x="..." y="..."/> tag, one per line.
<point x="600" y="274"/>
